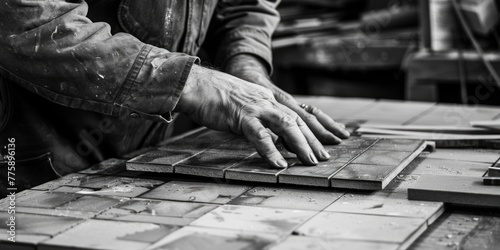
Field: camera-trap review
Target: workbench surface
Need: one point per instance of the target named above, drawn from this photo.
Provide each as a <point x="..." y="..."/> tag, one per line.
<point x="108" y="207"/>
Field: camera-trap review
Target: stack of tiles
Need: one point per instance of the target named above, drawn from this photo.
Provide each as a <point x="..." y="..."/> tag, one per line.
<point x="357" y="163"/>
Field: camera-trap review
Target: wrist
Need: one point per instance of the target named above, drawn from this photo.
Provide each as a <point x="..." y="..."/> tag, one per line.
<point x="246" y="63"/>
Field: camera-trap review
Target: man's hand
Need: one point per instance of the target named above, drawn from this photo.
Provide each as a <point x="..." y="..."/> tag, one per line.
<point x="224" y="102"/>
<point x="250" y="68"/>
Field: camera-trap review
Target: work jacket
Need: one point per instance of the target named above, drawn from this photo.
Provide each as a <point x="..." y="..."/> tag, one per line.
<point x="85" y="81"/>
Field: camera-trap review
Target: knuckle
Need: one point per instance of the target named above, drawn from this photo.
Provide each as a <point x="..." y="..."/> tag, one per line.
<point x="262" y="135"/>
<point x="287" y="121"/>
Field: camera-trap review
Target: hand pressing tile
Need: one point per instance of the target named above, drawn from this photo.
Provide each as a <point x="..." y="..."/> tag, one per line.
<point x="102" y="234"/>
<point x="38" y="224"/>
<point x="255" y="219"/>
<point x="209" y="164"/>
<point x="196" y="192"/>
<point x="255" y="169"/>
<point x="310" y="175"/>
<point x="194" y="238"/>
<point x="291" y="198"/>
<point x="160" y="212"/>
<point x="314" y="243"/>
<point x="387" y="204"/>
<point x="406" y="145"/>
<point x="380" y="157"/>
<point x="363" y="227"/>
<point x="161" y="161"/>
<point x="115" y="186"/>
<point x="109" y="166"/>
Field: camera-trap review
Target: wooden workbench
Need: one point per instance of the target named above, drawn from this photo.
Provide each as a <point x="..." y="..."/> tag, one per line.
<point x="108" y="207"/>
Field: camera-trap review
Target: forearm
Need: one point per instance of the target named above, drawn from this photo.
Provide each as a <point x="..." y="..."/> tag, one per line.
<point x="52" y="49"/>
<point x="245" y="28"/>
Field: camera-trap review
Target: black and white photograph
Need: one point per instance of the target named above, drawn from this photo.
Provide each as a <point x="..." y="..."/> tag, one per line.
<point x="249" y="124"/>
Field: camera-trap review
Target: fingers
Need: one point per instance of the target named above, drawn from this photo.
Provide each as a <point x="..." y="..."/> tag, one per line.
<point x="262" y="139"/>
<point x="337" y="128"/>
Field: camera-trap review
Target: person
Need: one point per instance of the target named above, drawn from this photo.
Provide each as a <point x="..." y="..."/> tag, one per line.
<point x="85" y="81"/>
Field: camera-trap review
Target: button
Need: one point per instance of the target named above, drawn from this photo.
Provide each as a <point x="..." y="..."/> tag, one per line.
<point x="134" y="115"/>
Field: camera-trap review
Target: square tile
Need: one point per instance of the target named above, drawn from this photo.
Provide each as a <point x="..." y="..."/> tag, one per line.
<point x="38" y="224"/>
<point x="209" y="164"/>
<point x="160" y="212"/>
<point x="363" y="176"/>
<point x="255" y="169"/>
<point x="114" y="185"/>
<point x="394" y="204"/>
<point x="196" y="192"/>
<point x="314" y="243"/>
<point x="291" y="198"/>
<point x="102" y="234"/>
<point x="363" y="227"/>
<point x="406" y="145"/>
<point x="255" y="219"/>
<point x="215" y="239"/>
<point x="310" y="175"/>
<point x="380" y="157"/>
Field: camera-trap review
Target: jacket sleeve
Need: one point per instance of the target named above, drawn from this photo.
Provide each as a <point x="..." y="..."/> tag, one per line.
<point x="244" y="27"/>
<point x="52" y="49"/>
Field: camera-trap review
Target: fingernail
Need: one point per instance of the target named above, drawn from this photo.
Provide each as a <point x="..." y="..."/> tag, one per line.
<point x="324" y="154"/>
<point x="341" y="125"/>
<point x="282" y="163"/>
<point x="346" y="133"/>
<point x="312" y="157"/>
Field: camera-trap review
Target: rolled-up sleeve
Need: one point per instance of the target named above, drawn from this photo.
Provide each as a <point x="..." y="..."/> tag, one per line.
<point x="245" y="27"/>
<point x="52" y="49"/>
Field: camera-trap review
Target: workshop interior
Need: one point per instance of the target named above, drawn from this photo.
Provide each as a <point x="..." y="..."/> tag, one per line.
<point x="415" y="82"/>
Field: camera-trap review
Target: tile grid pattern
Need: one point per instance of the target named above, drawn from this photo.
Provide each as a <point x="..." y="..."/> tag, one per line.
<point x="122" y="224"/>
<point x="357" y="163"/>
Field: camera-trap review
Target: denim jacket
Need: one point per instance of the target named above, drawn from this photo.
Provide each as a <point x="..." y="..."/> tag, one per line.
<point x="74" y="66"/>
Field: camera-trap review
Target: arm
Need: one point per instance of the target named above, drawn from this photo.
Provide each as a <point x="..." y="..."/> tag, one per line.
<point x="245" y="29"/>
<point x="54" y="50"/>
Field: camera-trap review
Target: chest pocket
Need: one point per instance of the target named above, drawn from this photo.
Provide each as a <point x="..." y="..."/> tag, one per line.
<point x="5" y="103"/>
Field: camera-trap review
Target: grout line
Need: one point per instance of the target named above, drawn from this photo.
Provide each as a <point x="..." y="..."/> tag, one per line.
<point x="350" y="161"/>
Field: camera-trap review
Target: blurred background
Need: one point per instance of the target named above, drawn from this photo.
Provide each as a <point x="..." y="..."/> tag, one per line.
<point x="428" y="50"/>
